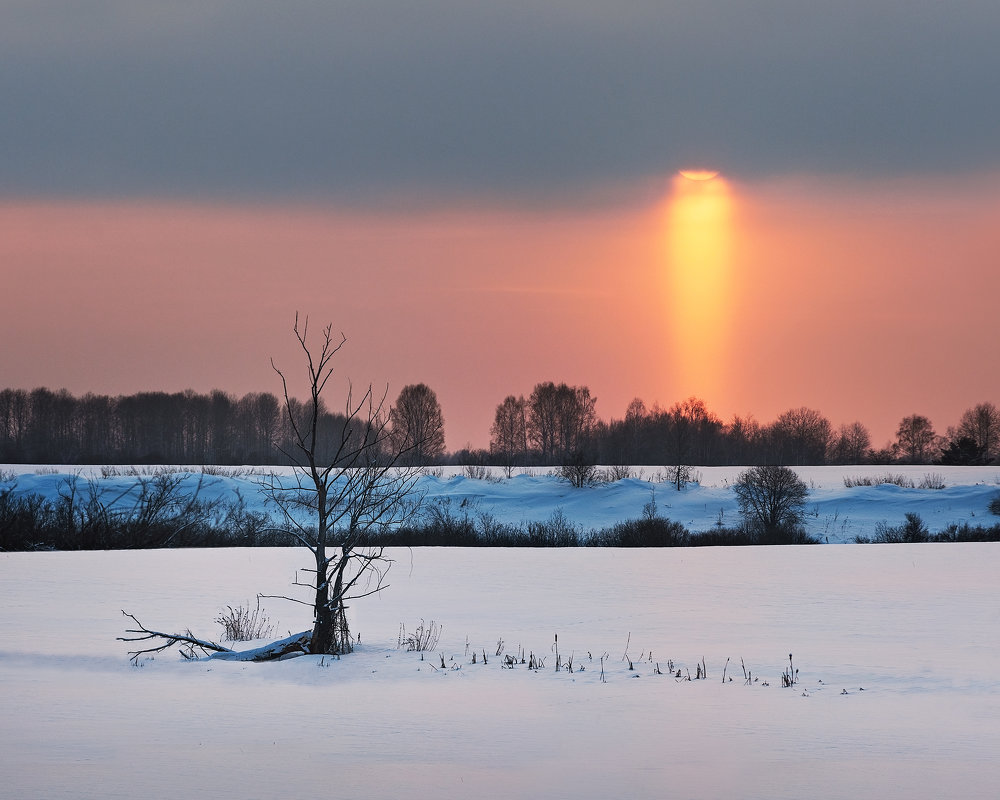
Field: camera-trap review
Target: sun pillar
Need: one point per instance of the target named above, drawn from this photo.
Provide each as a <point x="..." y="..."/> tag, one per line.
<point x="699" y="256"/>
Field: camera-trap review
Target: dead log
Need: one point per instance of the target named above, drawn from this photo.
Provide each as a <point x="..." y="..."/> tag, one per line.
<point x="289" y="647"/>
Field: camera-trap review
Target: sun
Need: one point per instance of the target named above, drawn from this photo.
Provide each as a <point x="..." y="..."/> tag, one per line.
<point x="699" y="174"/>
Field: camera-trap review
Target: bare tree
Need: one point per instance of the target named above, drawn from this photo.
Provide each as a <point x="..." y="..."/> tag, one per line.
<point x="692" y="432"/>
<point x="345" y="486"/>
<point x="508" y="435"/>
<point x="915" y="439"/>
<point x="334" y="503"/>
<point x="851" y="445"/>
<point x="981" y="423"/>
<point x="771" y="498"/>
<point x="801" y="436"/>
<point x="561" y="419"/>
<point x="417" y="425"/>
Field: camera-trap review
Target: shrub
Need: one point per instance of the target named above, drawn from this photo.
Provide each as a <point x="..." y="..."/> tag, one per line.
<point x="556" y="531"/>
<point x="723" y="537"/>
<point x="580" y="470"/>
<point x="913" y="530"/>
<point x="423" y="639"/>
<point x="617" y="472"/>
<point x="967" y="533"/>
<point x="885" y="479"/>
<point x="479" y="472"/>
<point x="994" y="505"/>
<point x="26" y="521"/>
<point x="245" y="624"/>
<point x="932" y="480"/>
<point x="644" y="532"/>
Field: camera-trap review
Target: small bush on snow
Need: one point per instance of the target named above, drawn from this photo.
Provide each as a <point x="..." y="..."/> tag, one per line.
<point x="245" y="624"/>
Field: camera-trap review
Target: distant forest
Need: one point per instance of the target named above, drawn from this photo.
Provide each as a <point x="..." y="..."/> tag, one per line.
<point x="555" y="425"/>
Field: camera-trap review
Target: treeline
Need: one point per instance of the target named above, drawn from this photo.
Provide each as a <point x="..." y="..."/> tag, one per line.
<point x="555" y="425"/>
<point x="46" y="427"/>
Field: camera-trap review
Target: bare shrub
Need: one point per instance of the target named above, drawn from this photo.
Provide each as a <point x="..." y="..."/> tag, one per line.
<point x="480" y="472"/>
<point x="617" y="472"/>
<point x="423" y="639"/>
<point x="994" y="505"/>
<point x="885" y="479"/>
<point x="679" y="476"/>
<point x="913" y="530"/>
<point x="476" y="472"/>
<point x="245" y="624"/>
<point x="965" y="532"/>
<point x="644" y="532"/>
<point x="231" y="472"/>
<point x="580" y="470"/>
<point x="932" y="480"/>
<point x="556" y="531"/>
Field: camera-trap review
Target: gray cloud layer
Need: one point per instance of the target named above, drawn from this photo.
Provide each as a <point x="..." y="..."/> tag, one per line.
<point x="367" y="98"/>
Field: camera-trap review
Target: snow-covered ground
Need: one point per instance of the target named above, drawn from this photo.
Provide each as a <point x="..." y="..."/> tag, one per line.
<point x="896" y="647"/>
<point x="834" y="513"/>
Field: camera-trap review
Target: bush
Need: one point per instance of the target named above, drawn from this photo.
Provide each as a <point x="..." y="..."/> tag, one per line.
<point x="423" y="639"/>
<point x="932" y="480"/>
<point x="480" y="472"/>
<point x="580" y="470"/>
<point x="556" y="531"/>
<point x="617" y="472"/>
<point x="968" y="533"/>
<point x="245" y="624"/>
<point x="724" y="537"/>
<point x="644" y="532"/>
<point x="913" y="530"/>
<point x="994" y="505"/>
<point x="25" y="521"/>
<point x="746" y="535"/>
<point x="885" y="479"/>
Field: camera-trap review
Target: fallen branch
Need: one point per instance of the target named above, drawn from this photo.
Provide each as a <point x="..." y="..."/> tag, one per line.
<point x="168" y="640"/>
<point x="291" y="646"/>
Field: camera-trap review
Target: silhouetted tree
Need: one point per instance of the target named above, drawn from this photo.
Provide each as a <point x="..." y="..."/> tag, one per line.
<point x="771" y="498"/>
<point x="851" y="445"/>
<point x="560" y="420"/>
<point x="981" y="423"/>
<point x="915" y="439"/>
<point x="338" y="501"/>
<point x="962" y="451"/>
<point x="743" y="441"/>
<point x="509" y="433"/>
<point x="693" y="433"/>
<point x="800" y="436"/>
<point x="418" y="425"/>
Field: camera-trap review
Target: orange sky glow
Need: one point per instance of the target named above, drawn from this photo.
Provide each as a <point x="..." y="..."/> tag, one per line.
<point x="865" y="301"/>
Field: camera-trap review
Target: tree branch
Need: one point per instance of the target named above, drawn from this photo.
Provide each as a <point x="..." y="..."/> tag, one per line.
<point x="167" y="640"/>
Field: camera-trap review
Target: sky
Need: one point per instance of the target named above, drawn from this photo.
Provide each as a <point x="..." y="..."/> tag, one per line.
<point x="485" y="196"/>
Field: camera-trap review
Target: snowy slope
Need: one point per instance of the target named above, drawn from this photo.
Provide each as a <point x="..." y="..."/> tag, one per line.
<point x="834" y="513"/>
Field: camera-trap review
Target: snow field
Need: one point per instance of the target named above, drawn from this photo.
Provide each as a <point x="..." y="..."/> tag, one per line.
<point x="914" y="626"/>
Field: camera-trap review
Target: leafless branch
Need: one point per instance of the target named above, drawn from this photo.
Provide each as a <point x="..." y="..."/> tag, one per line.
<point x="167" y="640"/>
